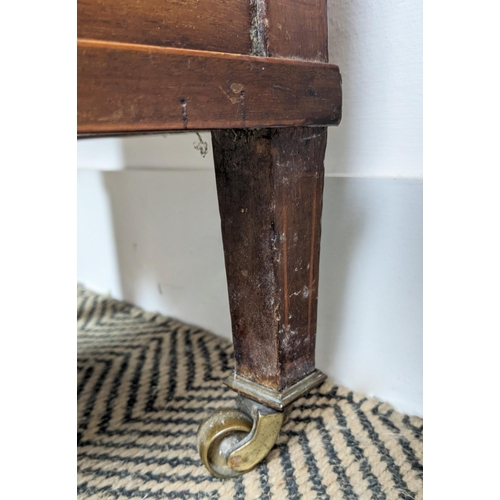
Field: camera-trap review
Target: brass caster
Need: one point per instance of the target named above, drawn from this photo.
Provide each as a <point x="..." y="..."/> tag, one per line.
<point x="233" y="441"/>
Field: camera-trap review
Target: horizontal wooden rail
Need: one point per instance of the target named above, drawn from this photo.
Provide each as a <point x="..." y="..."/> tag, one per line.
<point x="217" y="25"/>
<point x="129" y="88"/>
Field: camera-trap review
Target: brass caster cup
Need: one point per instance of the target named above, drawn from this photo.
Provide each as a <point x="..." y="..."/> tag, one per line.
<point x="233" y="441"/>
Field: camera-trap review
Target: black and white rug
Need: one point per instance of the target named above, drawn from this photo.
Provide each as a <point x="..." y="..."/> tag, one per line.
<point x="145" y="382"/>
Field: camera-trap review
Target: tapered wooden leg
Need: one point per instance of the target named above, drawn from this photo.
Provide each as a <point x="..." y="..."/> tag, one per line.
<point x="270" y="188"/>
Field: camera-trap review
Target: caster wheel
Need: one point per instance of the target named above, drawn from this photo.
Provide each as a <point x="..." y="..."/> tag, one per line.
<point x="233" y="441"/>
<point x="218" y="436"/>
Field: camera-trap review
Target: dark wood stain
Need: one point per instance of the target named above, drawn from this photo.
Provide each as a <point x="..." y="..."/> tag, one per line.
<point x="125" y="87"/>
<point x="272" y="248"/>
<point x="298" y="29"/>
<point x="172" y="66"/>
<point x="269" y="185"/>
<point x="215" y="25"/>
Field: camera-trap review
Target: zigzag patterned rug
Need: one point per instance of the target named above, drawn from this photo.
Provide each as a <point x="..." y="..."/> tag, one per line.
<point x="145" y="382"/>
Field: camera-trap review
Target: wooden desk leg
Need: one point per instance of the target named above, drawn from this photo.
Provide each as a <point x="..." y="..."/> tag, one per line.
<point x="270" y="188"/>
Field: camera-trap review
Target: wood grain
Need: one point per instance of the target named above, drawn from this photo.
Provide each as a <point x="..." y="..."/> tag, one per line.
<point x="169" y="66"/>
<point x="126" y="87"/>
<point x="298" y="29"/>
<point x="270" y="185"/>
<point x="215" y="25"/>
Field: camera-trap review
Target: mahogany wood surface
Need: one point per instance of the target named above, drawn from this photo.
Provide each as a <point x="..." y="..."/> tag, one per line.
<point x="271" y="246"/>
<point x="214" y="25"/>
<point x="270" y="185"/>
<point x="159" y="66"/>
<point x="129" y="87"/>
<point x="298" y="29"/>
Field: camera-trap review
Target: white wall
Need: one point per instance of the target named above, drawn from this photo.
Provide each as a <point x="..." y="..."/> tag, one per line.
<point x="149" y="231"/>
<point x="378" y="47"/>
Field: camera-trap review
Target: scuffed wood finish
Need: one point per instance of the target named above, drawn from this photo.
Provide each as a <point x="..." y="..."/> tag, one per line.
<point x="125" y="87"/>
<point x="270" y="185"/>
<point x="298" y="29"/>
<point x="216" y="25"/>
<point x="147" y="66"/>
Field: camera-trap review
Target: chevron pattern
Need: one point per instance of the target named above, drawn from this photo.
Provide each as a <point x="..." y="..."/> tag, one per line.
<point x="145" y="382"/>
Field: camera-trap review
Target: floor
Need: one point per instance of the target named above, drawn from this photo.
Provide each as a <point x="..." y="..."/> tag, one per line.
<point x="146" y="381"/>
